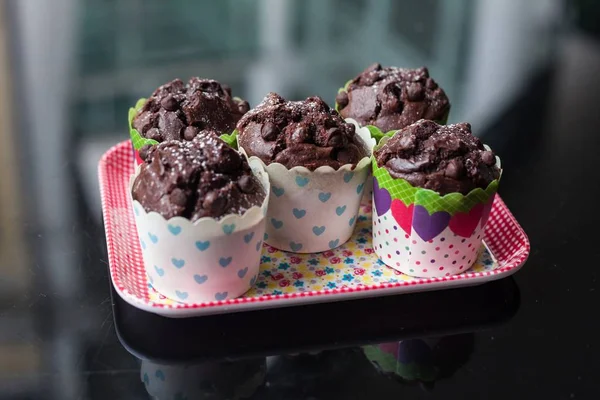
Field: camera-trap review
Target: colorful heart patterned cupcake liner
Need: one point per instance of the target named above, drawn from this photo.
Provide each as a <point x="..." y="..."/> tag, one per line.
<point x="205" y="260"/>
<point x="409" y="359"/>
<point x="377" y="133"/>
<point x="421" y="233"/>
<point x="315" y="211"/>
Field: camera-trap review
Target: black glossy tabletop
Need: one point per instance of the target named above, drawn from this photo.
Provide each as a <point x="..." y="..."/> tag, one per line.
<point x="533" y="335"/>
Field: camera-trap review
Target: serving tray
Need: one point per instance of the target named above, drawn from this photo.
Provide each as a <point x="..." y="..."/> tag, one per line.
<point x="350" y="271"/>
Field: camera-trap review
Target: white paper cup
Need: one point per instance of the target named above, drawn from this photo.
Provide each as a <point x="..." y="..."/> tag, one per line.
<point x="205" y="260"/>
<point x="315" y="211"/>
<point x="210" y="380"/>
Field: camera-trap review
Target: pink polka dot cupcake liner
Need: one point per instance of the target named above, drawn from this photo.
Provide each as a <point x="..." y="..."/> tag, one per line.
<point x="423" y="234"/>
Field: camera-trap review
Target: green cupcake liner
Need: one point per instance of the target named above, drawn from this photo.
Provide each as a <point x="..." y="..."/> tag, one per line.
<point x="230" y="138"/>
<point x="389" y="364"/>
<point x="136" y="138"/>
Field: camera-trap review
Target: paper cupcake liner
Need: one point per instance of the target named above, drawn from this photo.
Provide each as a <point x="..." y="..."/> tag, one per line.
<point x="205" y="260"/>
<point x="226" y="380"/>
<point x="421" y="233"/>
<point x="377" y="133"/>
<point x="315" y="211"/>
<point x="411" y="359"/>
<point x="137" y="140"/>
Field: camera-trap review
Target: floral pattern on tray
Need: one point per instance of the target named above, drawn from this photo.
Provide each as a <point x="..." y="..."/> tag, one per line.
<point x="350" y="265"/>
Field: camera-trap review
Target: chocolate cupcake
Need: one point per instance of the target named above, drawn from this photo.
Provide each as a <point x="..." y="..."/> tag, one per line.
<point x="178" y="111"/>
<point x="443" y="158"/>
<point x="317" y="164"/>
<point x="433" y="190"/>
<point x="196" y="179"/>
<point x="392" y="98"/>
<point x="421" y="361"/>
<point x="299" y="134"/>
<point x="199" y="208"/>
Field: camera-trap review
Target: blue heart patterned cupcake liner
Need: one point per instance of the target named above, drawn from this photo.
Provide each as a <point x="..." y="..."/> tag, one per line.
<point x="315" y="211"/>
<point x="205" y="260"/>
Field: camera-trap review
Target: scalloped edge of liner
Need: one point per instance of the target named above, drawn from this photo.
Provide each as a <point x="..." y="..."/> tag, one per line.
<point x="456" y="195"/>
<point x="450" y="197"/>
<point x="255" y="212"/>
<point x="365" y="137"/>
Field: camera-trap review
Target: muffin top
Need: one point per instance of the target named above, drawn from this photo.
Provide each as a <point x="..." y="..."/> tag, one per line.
<point x="177" y="111"/>
<point x="443" y="158"/>
<point x="392" y="98"/>
<point x="299" y="133"/>
<point x="199" y="178"/>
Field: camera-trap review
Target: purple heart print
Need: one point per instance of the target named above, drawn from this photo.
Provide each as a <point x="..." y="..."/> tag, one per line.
<point x="429" y="226"/>
<point x="382" y="198"/>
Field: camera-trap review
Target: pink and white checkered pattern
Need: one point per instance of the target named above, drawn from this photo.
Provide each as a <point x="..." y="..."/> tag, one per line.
<point x="503" y="235"/>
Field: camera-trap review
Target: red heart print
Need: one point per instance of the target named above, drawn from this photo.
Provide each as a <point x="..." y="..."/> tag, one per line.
<point x="487" y="208"/>
<point x="402" y="214"/>
<point x="463" y="224"/>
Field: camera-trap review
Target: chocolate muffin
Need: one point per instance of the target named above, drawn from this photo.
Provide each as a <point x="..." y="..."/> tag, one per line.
<point x="199" y="178"/>
<point x="299" y="133"/>
<point x="443" y="158"/>
<point x="177" y="111"/>
<point x="392" y="98"/>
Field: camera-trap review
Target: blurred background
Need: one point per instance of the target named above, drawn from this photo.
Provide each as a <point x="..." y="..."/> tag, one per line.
<point x="70" y="69"/>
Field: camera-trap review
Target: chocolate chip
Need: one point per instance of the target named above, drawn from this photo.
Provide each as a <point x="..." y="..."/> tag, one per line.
<point x="405" y="142"/>
<point x="228" y="161"/>
<point x="407" y="166"/>
<point x="169" y="103"/>
<point x="393" y="101"/>
<point x="342" y="99"/>
<point x="373" y="67"/>
<point x="415" y="92"/>
<point x="488" y="158"/>
<point x="209" y="86"/>
<point x="269" y="131"/>
<point x="455" y="169"/>
<point x="243" y="106"/>
<point x="151" y="105"/>
<point x="430" y="83"/>
<point x="246" y="184"/>
<point x="350" y="129"/>
<point x="335" y="137"/>
<point x="422" y="73"/>
<point x="190" y="132"/>
<point x="215" y="203"/>
<point x="144" y="150"/>
<point x="178" y="197"/>
<point x="300" y="135"/>
<point x="144" y="121"/>
<point x="170" y="125"/>
<point x="153" y="134"/>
